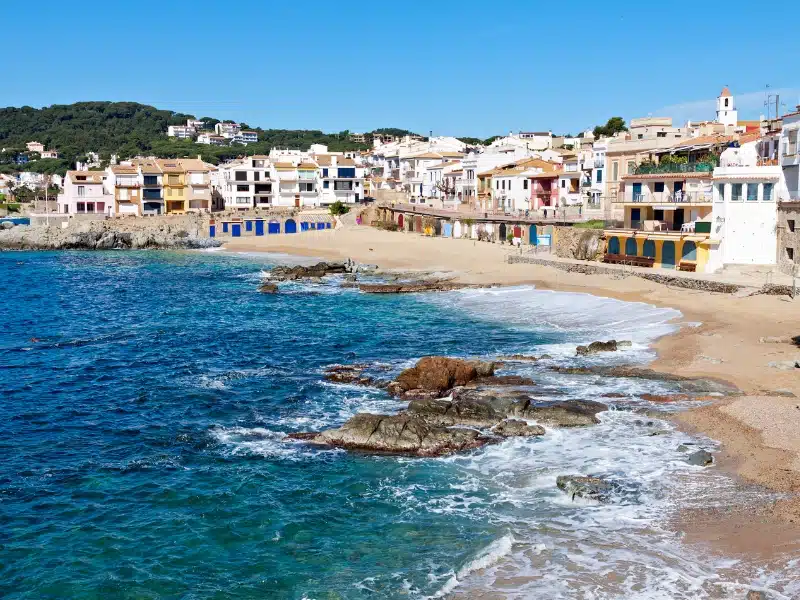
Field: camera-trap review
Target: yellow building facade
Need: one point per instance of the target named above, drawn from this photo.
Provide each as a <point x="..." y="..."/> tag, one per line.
<point x="174" y="185"/>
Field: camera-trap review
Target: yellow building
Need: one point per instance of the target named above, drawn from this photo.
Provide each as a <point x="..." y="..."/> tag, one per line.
<point x="174" y="184"/>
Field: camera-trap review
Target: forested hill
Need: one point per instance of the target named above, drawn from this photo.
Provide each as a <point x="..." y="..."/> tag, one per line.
<point x="129" y="129"/>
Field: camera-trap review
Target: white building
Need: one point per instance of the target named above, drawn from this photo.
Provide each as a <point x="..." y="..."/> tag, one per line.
<point x="744" y="215"/>
<point x="85" y="193"/>
<point x="227" y="130"/>
<point x="790" y="153"/>
<point x="340" y="179"/>
<point x="211" y="139"/>
<point x="248" y="183"/>
<point x="50" y="154"/>
<point x="726" y="110"/>
<point x="35" y="147"/>
<point x="182" y="132"/>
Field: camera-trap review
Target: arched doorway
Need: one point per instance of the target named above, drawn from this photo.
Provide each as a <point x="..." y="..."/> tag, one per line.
<point x="613" y="245"/>
<point x="631" y="247"/>
<point x="400" y="221"/>
<point x="502" y="232"/>
<point x="274" y="227"/>
<point x="649" y="249"/>
<point x="689" y="251"/>
<point x="290" y="226"/>
<point x="668" y="255"/>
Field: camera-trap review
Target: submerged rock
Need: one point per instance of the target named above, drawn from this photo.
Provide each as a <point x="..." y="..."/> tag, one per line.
<point x="517" y="428"/>
<point x="567" y="413"/>
<point x="689" y="385"/>
<point x="701" y="458"/>
<point x="404" y="433"/>
<point x="590" y="488"/>
<point x="268" y="288"/>
<point x="353" y="374"/>
<point x="595" y="347"/>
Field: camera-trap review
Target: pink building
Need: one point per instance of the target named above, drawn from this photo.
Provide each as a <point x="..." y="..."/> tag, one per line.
<point x="544" y="190"/>
<point x="84" y="193"/>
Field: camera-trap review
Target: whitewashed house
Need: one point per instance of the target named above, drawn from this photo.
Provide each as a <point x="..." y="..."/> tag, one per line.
<point x="85" y="193"/>
<point x="247" y="183"/>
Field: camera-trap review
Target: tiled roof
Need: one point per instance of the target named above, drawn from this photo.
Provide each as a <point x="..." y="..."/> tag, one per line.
<point x="124" y="170"/>
<point x="307" y="166"/>
<point x="91" y="176"/>
<point x="725" y="91"/>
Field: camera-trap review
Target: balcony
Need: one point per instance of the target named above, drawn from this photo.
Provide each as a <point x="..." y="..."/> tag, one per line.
<point x="651" y="169"/>
<point x="599" y="163"/>
<point x="645" y="197"/>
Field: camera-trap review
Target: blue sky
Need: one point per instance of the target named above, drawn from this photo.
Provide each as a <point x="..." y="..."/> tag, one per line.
<point x="457" y="68"/>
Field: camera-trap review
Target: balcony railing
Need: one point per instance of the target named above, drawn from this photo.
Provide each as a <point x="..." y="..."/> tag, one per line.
<point x="697" y="167"/>
<point x="665" y="198"/>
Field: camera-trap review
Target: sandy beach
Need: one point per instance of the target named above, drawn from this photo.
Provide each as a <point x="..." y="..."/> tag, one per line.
<point x="720" y="337"/>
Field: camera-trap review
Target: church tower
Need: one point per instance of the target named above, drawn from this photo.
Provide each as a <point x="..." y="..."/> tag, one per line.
<point x="726" y="109"/>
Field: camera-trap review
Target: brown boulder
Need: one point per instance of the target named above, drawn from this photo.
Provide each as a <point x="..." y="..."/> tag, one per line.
<point x="517" y="428"/>
<point x="439" y="374"/>
<point x="595" y="347"/>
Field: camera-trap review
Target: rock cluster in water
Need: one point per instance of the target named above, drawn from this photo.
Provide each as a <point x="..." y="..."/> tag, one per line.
<point x="455" y="405"/>
<point x="597" y="347"/>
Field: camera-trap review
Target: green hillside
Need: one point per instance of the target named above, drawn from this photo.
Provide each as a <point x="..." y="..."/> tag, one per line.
<point x="129" y="129"/>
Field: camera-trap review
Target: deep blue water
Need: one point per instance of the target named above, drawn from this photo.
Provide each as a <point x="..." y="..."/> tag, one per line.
<point x="129" y="380"/>
<point x="145" y="401"/>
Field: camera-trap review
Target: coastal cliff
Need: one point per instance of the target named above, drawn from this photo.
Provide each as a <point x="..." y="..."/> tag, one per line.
<point x="108" y="235"/>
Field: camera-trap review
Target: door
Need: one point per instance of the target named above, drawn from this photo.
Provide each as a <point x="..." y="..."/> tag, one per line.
<point x="274" y="227"/>
<point x="678" y="222"/>
<point x="677" y="192"/>
<point x="224" y="227"/>
<point x="437" y="227"/>
<point x="236" y="229"/>
<point x="613" y="245"/>
<point x="636" y="218"/>
<point x="502" y="232"/>
<point x="297" y="201"/>
<point x="259" y="227"/>
<point x="637" y="192"/>
<point x="290" y="226"/>
<point x="212" y="231"/>
<point x="668" y="255"/>
<point x="689" y="251"/>
<point x="400" y="221"/>
<point x="304" y="226"/>
<point x="649" y="249"/>
<point x="418" y="224"/>
<point x="631" y="247"/>
<point x="448" y="230"/>
<point x="248" y="226"/>
<point x="517" y="231"/>
<point x="532" y="235"/>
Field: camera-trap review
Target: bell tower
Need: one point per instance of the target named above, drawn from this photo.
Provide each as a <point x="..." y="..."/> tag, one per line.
<point x="726" y="109"/>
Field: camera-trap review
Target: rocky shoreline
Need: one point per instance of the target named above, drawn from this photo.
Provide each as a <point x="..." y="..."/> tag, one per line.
<point x="107" y="235"/>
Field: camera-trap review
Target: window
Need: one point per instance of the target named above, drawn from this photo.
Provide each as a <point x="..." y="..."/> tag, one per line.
<point x="509" y="185"/>
<point x="752" y="192"/>
<point x="174" y="180"/>
<point x="789" y="253"/>
<point x="631" y="167"/>
<point x="614" y="171"/>
<point x="306" y="187"/>
<point x="123" y="193"/>
<point x="259" y="164"/>
<point x="563" y="183"/>
<point x="726" y="103"/>
<point x="81" y="207"/>
<point x="640" y="136"/>
<point x="81" y="191"/>
<point x="599" y="176"/>
<point x="791" y="142"/>
<point x="196" y="178"/>
<point x="242" y="188"/>
<point x="498" y="184"/>
<point x="238" y="176"/>
<point x="324" y="172"/>
<point x="721" y="192"/>
<point x="661" y="134"/>
<point x="169" y="191"/>
<point x="524" y="184"/>
<point x="767" y="192"/>
<point x="242" y="200"/>
<point x="256" y="176"/>
<point x="659" y="187"/>
<point x="347" y="172"/>
<point x="150" y="180"/>
<point x="736" y="192"/>
<point x="343" y="186"/>
<point x="326" y="184"/>
<point x="790" y="223"/>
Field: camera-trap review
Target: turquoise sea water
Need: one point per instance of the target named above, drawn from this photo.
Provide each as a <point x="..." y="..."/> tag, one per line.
<point x="145" y="401"/>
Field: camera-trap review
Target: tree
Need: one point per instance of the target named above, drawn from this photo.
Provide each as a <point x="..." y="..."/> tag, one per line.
<point x="489" y="140"/>
<point x="612" y="126"/>
<point x="471" y="141"/>
<point x="338" y="208"/>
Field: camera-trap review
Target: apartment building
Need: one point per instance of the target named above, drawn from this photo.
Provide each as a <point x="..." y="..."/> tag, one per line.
<point x="340" y="179"/>
<point x="789" y="209"/>
<point x="174" y="185"/>
<point x="182" y="132"/>
<point x="84" y="193"/>
<point x="123" y="184"/>
<point x="227" y="130"/>
<point x="211" y="140"/>
<point x="297" y="183"/>
<point x="197" y="176"/>
<point x="151" y="177"/>
<point x="247" y="183"/>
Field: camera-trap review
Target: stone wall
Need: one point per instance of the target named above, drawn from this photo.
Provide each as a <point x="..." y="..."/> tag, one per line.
<point x="579" y="243"/>
<point x="789" y="237"/>
<point x="664" y="278"/>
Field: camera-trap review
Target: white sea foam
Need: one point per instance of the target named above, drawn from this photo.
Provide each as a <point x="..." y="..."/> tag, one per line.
<point x="485" y="558"/>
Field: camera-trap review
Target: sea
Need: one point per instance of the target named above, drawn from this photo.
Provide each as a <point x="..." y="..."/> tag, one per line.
<point x="146" y="398"/>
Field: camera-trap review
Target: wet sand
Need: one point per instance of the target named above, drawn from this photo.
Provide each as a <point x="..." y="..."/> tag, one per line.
<point x="759" y="431"/>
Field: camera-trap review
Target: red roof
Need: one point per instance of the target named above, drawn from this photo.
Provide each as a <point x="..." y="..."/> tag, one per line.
<point x="725" y="91"/>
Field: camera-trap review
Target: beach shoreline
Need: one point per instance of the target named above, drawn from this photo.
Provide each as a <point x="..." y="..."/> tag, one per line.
<point x="719" y="336"/>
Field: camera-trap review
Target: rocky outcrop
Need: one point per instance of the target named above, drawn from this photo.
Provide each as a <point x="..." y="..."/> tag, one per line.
<point x="517" y="428"/>
<point x="438" y="374"/>
<point x="352" y="374"/>
<point x="596" y="347"/>
<point x="108" y="235"/>
<point x="524" y="358"/>
<point x="590" y="488"/>
<point x="688" y="385"/>
<point x="317" y="271"/>
<point x="404" y="434"/>
<point x="414" y="287"/>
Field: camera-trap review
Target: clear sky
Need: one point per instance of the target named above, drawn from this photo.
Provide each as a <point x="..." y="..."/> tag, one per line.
<point x="457" y="68"/>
